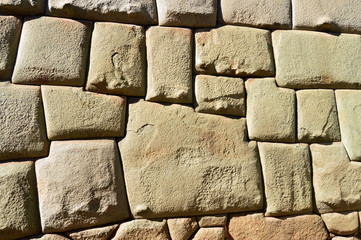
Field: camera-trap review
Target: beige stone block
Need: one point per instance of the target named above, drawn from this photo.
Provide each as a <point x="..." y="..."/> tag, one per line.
<point x="345" y="238"/>
<point x="47" y="237"/>
<point x="99" y="233"/>
<point x="52" y="51"/>
<point x="22" y="7"/>
<point x="344" y="223"/>
<point x="220" y="95"/>
<point x="215" y="233"/>
<point x="271" y="111"/>
<point x="169" y="53"/>
<point x="234" y="51"/>
<point x="205" y="154"/>
<point x="306" y="59"/>
<point x="213" y="221"/>
<point x="117" y="59"/>
<point x="317" y="116"/>
<point x="182" y="228"/>
<point x="80" y="185"/>
<point x="73" y="113"/>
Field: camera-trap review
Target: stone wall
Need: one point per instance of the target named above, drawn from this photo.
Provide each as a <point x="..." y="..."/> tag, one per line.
<point x="172" y="119"/>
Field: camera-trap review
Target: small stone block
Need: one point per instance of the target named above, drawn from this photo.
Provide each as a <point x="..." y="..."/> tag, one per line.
<point x="212" y="221"/>
<point x="22" y="7"/>
<point x="342" y="223"/>
<point x="182" y="228"/>
<point x="214" y="233"/>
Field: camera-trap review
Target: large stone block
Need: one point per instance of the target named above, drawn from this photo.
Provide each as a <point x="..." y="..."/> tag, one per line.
<point x="73" y="113"/>
<point x="234" y="51"/>
<point x="80" y="185"/>
<point x="306" y="59"/>
<point x="52" y="51"/>
<point x="117" y="59"/>
<point x="344" y="223"/>
<point x="203" y="161"/>
<point x="22" y="7"/>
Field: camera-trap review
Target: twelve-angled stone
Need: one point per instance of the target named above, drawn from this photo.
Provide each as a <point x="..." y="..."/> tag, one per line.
<point x="22" y="7"/>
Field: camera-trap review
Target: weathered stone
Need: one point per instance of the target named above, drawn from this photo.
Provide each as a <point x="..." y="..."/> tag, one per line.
<point x="52" y="51"/>
<point x="205" y="154"/>
<point x="72" y="113"/>
<point x="306" y="59"/>
<point x="10" y="28"/>
<point x="18" y="201"/>
<point x="100" y="233"/>
<point x="234" y="51"/>
<point x="193" y="13"/>
<point x="182" y="228"/>
<point x="80" y="185"/>
<point x="117" y="59"/>
<point x="274" y="14"/>
<point x="220" y="95"/>
<point x="345" y="223"/>
<point x="47" y="237"/>
<point x="169" y="53"/>
<point x="215" y="233"/>
<point x="22" y="7"/>
<point x="256" y="226"/>
<point x="212" y="221"/>
<point x="336" y="180"/>
<point x="271" y="111"/>
<point x="22" y="125"/>
<point x="345" y="238"/>
<point x="317" y="116"/>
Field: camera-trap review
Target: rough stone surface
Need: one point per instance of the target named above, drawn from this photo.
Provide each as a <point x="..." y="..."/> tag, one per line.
<point x="306" y="59"/>
<point x="52" y="51"/>
<point x="169" y="53"/>
<point x="117" y="59"/>
<point x="22" y="125"/>
<point x="234" y="51"/>
<point x="205" y="154"/>
<point x="215" y="233"/>
<point x="47" y="237"/>
<point x="271" y="111"/>
<point x="256" y="226"/>
<point x="274" y="14"/>
<point x="22" y="7"/>
<point x="192" y="13"/>
<point x="346" y="223"/>
<point x="72" y="113"/>
<point x="100" y="233"/>
<point x="142" y="12"/>
<point x="212" y="221"/>
<point x="317" y="116"/>
<point x="345" y="238"/>
<point x="88" y="189"/>
<point x="220" y="95"/>
<point x="182" y="228"/>
<point x="18" y="205"/>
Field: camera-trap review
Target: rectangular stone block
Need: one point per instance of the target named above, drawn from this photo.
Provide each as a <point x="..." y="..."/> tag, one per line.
<point x="22" y="7"/>
<point x="143" y="229"/>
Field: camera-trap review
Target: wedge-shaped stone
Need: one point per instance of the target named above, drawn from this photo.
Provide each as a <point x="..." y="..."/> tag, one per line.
<point x="271" y="111"/>
<point x="80" y="184"/>
<point x="143" y="229"/>
<point x="72" y="113"/>
<point x="336" y="180"/>
<point x="18" y="201"/>
<point x="22" y="125"/>
<point x="213" y="221"/>
<point x="306" y="59"/>
<point x="52" y="51"/>
<point x="213" y="233"/>
<point x="274" y="14"/>
<point x="169" y="53"/>
<point x="203" y="160"/>
<point x="182" y="228"/>
<point x="317" y="116"/>
<point x="99" y="233"/>
<point x="345" y="223"/>
<point x="22" y="7"/>
<point x="220" y="95"/>
<point x="234" y="51"/>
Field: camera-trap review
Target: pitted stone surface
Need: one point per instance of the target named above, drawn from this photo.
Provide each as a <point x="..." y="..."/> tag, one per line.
<point x="52" y="51"/>
<point x="100" y="233"/>
<point x="80" y="184"/>
<point x="205" y="154"/>
<point x="117" y="59"/>
<point x="22" y="7"/>
<point x="214" y="233"/>
<point x="213" y="221"/>
<point x="182" y="228"/>
<point x="72" y="113"/>
<point x="343" y="223"/>
<point x="169" y="53"/>
<point x="234" y="51"/>
<point x="306" y="59"/>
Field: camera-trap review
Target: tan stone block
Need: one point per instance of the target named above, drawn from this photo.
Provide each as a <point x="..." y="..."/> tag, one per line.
<point x="271" y="111"/>
<point x="182" y="228"/>
<point x="169" y="53"/>
<point x="73" y="113"/>
<point x="213" y="221"/>
<point x="52" y="51"/>
<point x="23" y="7"/>
<point x="234" y="51"/>
<point x="47" y="237"/>
<point x="99" y="233"/>
<point x="345" y="238"/>
<point x="344" y="223"/>
<point x="215" y="233"/>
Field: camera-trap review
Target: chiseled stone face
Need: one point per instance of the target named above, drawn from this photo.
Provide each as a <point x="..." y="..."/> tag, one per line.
<point x="182" y="228"/>
<point x="343" y="223"/>
<point x="99" y="233"/>
<point x="188" y="163"/>
<point x="211" y="233"/>
<point x="143" y="229"/>
<point x="22" y="7"/>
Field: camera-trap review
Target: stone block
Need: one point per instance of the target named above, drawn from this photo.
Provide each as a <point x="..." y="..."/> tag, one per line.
<point x="343" y="223"/>
<point x="213" y="221"/>
<point x="23" y="7"/>
<point x="214" y="233"/>
<point x="47" y="237"/>
<point x="182" y="228"/>
<point x="99" y="233"/>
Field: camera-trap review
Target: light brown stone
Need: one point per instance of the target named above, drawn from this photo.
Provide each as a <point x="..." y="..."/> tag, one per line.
<point x="345" y="238"/>
<point x="48" y="237"/>
<point x="213" y="221"/>
<point x="344" y="223"/>
<point x="182" y="228"/>
<point x="215" y="233"/>
<point x="99" y="233"/>
<point x="23" y="7"/>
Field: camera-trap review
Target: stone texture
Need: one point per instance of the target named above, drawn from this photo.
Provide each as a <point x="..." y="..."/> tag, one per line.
<point x="99" y="233"/>
<point x="182" y="228"/>
<point x="117" y="59"/>
<point x="72" y="113"/>
<point x="215" y="233"/>
<point x="271" y="111"/>
<point x="212" y="221"/>
<point x="192" y="13"/>
<point x="169" y="53"/>
<point x="88" y="189"/>
<point x="22" y="126"/>
<point x="346" y="223"/>
<point x="52" y="51"/>
<point x="220" y="95"/>
<point x="22" y="7"/>
<point x="345" y="238"/>
<point x="317" y="116"/>
<point x="306" y="59"/>
<point x="203" y="160"/>
<point x="274" y="14"/>
<point x="256" y="226"/>
<point x="234" y="51"/>
<point x="18" y="202"/>
<point x="47" y="237"/>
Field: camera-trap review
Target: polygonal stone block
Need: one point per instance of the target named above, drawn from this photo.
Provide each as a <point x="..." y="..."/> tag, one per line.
<point x="22" y="7"/>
